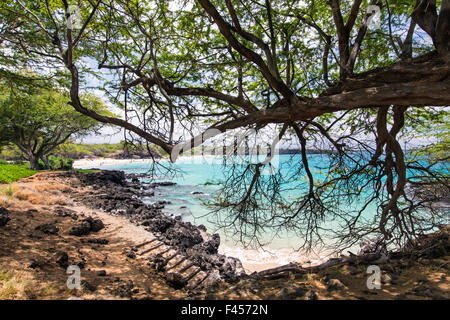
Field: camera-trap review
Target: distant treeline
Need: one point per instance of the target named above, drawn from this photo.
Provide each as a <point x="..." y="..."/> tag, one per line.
<point x="83" y="150"/>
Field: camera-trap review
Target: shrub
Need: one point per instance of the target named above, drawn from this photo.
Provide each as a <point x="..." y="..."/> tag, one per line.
<point x="58" y="163"/>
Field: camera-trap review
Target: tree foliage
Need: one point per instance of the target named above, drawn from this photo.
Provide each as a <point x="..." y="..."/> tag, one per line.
<point x="316" y="69"/>
<point x="38" y="120"/>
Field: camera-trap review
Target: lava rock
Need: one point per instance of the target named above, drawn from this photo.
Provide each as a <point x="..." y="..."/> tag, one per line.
<point x="183" y="236"/>
<point x="101" y="273"/>
<point x="125" y="290"/>
<point x="160" y="224"/>
<point x="134" y="180"/>
<point x="98" y="241"/>
<point x="81" y="229"/>
<point x="96" y="224"/>
<point x="212" y="246"/>
<point x="48" y="228"/>
<point x="158" y="262"/>
<point x="62" y="259"/>
<point x="162" y="184"/>
<point x="4" y="217"/>
<point x="231" y="269"/>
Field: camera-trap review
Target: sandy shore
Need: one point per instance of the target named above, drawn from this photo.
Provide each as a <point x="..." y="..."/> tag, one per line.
<point x="262" y="259"/>
<point x="97" y="162"/>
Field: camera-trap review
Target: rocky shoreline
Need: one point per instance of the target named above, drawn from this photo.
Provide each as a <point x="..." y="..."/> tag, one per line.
<point x="131" y="250"/>
<point x="118" y="194"/>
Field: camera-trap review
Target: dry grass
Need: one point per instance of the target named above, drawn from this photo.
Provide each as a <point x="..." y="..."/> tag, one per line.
<point x="58" y="200"/>
<point x="41" y="193"/>
<point x="8" y="190"/>
<point x="27" y="194"/>
<point x="32" y="192"/>
<point x="13" y="285"/>
<point x="20" y="285"/>
<point x="6" y="195"/>
<point x="55" y="188"/>
<point x="6" y="202"/>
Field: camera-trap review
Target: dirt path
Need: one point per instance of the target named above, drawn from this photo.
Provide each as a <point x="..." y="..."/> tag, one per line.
<point x="28" y="257"/>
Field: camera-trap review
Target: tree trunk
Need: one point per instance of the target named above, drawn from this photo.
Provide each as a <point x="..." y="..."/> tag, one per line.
<point x="34" y="161"/>
<point x="46" y="162"/>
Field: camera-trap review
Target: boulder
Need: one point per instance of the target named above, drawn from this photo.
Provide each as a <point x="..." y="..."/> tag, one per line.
<point x="211" y="246"/>
<point x="96" y="224"/>
<point x="130" y="254"/>
<point x="160" y="224"/>
<point x="86" y="226"/>
<point x="81" y="229"/>
<point x="183" y="237"/>
<point x="231" y="269"/>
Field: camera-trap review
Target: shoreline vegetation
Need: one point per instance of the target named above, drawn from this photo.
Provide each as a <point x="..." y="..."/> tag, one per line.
<point x="80" y="151"/>
<point x="54" y="219"/>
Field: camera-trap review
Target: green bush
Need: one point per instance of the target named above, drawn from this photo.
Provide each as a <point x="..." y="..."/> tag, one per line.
<point x="57" y="163"/>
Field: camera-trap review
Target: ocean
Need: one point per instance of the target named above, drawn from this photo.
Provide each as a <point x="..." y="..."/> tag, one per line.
<point x="198" y="179"/>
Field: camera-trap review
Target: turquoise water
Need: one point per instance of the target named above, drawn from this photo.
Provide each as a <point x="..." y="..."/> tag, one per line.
<point x="195" y="174"/>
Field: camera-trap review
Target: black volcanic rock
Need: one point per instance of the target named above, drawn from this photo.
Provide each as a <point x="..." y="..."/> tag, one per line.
<point x="4" y="217"/>
<point x="96" y="224"/>
<point x="81" y="229"/>
<point x="62" y="259"/>
<point x="48" y="228"/>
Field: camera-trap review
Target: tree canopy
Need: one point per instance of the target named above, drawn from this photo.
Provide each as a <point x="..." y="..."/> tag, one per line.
<point x="321" y="71"/>
<point x="39" y="120"/>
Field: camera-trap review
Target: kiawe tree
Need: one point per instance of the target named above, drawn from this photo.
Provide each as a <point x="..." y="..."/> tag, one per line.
<point x="39" y="120"/>
<point x="319" y="70"/>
